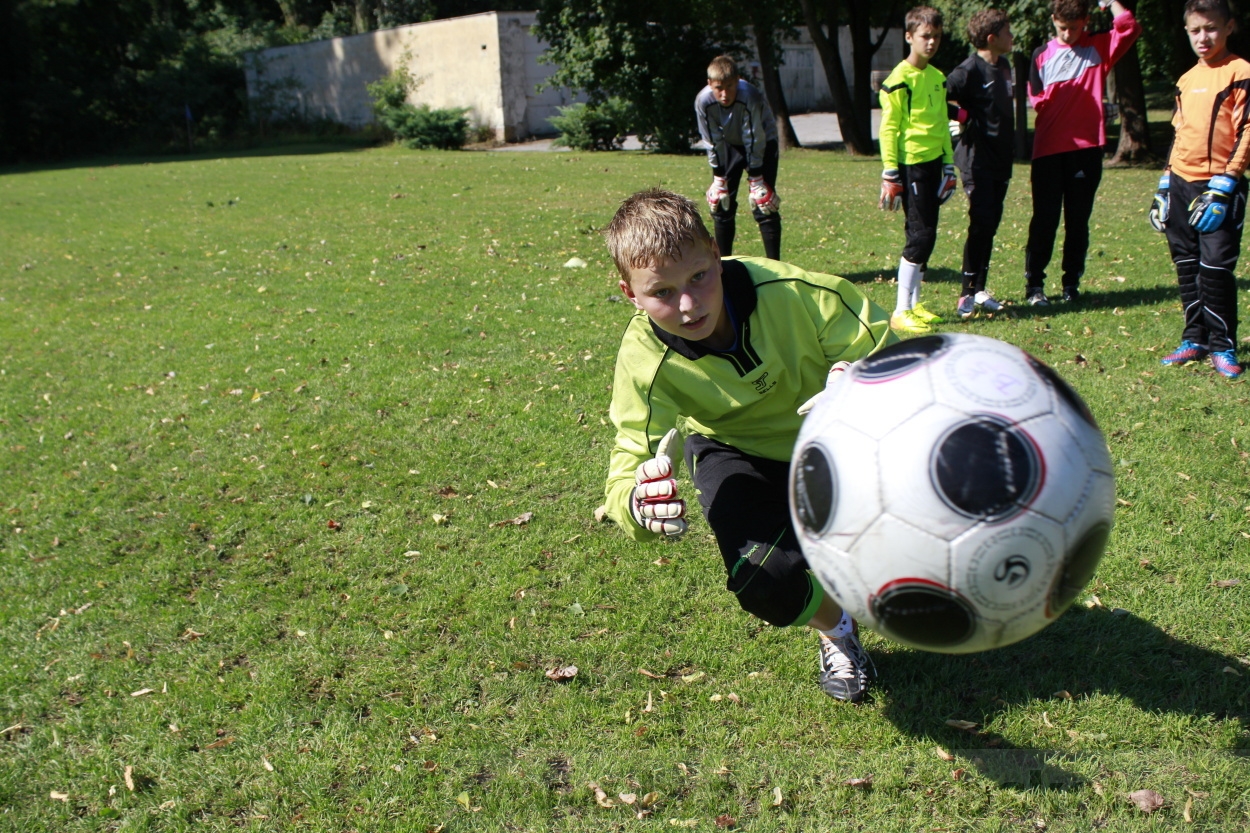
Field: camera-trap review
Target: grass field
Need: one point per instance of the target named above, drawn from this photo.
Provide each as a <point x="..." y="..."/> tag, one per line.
<point x="272" y="428"/>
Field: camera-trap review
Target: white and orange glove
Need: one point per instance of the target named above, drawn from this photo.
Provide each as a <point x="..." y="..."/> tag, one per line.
<point x="947" y="186"/>
<point x="718" y="194"/>
<point x="891" y="190"/>
<point x="762" y="195"/>
<point x="654" y="502"/>
<point x="835" y="373"/>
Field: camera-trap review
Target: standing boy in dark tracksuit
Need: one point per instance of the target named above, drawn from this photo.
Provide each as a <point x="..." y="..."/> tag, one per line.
<point x="981" y="87"/>
<point x="740" y="131"/>
<point x="1066" y="82"/>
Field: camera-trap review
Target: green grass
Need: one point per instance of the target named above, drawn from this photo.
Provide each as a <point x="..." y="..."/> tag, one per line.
<point x="203" y="363"/>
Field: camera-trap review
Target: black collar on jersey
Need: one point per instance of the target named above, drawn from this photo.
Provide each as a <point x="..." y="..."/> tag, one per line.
<point x="740" y="294"/>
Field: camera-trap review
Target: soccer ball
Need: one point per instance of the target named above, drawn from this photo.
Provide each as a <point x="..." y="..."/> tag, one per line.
<point x="952" y="493"/>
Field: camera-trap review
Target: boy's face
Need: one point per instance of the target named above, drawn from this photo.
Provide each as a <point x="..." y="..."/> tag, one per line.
<point x="685" y="296"/>
<point x="1207" y="35"/>
<point x="1000" y="42"/>
<point x="726" y="92"/>
<point x="1069" y="31"/>
<point x="924" y="41"/>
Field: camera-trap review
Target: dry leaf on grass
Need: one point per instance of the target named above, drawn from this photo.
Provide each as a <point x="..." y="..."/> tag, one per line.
<point x="601" y="512"/>
<point x="965" y="725"/>
<point x="1146" y="800"/>
<point x="777" y="797"/>
<point x="265" y="763"/>
<point x="943" y="754"/>
<point x="519" y="520"/>
<point x="141" y="692"/>
<point x="128" y="775"/>
<point x="724" y="820"/>
<point x="601" y="798"/>
<point x="562" y="674"/>
<point x="56" y="796"/>
<point x="862" y="783"/>
<point x="644" y="672"/>
<point x="1188" y="812"/>
<point x="627" y="798"/>
<point x="1227" y="582"/>
<point x="218" y="744"/>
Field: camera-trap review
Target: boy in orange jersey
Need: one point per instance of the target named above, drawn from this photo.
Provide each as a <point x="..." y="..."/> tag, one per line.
<point x="1204" y="183"/>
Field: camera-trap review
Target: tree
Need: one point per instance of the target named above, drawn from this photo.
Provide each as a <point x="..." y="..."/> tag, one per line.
<point x="651" y="53"/>
<point x="767" y="20"/>
<point x="852" y="98"/>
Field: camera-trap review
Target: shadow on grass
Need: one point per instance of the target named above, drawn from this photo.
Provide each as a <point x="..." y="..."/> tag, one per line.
<point x="293" y="147"/>
<point x="938" y="274"/>
<point x="1084" y="653"/>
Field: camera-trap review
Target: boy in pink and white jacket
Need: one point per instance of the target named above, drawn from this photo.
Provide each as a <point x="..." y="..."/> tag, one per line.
<point x="1066" y="83"/>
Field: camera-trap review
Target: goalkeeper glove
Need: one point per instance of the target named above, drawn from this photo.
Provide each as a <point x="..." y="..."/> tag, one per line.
<point x="1159" y="208"/>
<point x="654" y="502"/>
<point x="956" y="124"/>
<point x="1206" y="212"/>
<point x="947" y="186"/>
<point x="762" y="195"/>
<point x="718" y="194"/>
<point x="891" y="190"/>
<point x="835" y="374"/>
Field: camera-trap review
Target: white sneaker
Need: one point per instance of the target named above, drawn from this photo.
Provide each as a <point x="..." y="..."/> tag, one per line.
<point x="987" y="302"/>
<point x="844" y="668"/>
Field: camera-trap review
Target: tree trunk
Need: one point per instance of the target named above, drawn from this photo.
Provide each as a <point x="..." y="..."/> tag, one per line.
<point x="1024" y="148"/>
<point x="1126" y="90"/>
<point x="362" y="16"/>
<point x="766" y="46"/>
<point x="863" y="47"/>
<point x="290" y="13"/>
<point x="858" y="140"/>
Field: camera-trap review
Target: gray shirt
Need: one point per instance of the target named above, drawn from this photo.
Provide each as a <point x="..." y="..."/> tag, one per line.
<point x="748" y="123"/>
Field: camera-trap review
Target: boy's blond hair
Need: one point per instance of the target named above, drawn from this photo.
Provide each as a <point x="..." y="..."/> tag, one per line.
<point x="651" y="227"/>
<point x="722" y="68"/>
<point x="922" y="16"/>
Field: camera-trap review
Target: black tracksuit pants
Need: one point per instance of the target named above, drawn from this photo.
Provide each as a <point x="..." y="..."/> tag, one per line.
<point x="1062" y="182"/>
<point x="1205" y="264"/>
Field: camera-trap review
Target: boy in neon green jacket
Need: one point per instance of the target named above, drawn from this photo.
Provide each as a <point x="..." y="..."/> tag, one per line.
<point x="731" y="351"/>
<point x="918" y="160"/>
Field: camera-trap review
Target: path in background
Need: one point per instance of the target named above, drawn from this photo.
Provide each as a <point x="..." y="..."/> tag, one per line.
<point x="813" y="129"/>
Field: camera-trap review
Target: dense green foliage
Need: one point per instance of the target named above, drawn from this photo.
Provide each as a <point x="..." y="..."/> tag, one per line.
<point x="650" y="53"/>
<point x="96" y="75"/>
<point x="417" y="126"/>
<point x="204" y="362"/>
<point x="599" y="125"/>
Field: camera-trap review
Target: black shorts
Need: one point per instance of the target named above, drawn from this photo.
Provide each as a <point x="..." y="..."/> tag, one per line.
<point x="746" y="502"/>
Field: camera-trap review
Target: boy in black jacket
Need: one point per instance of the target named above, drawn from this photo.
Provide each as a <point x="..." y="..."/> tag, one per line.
<point x="980" y="87"/>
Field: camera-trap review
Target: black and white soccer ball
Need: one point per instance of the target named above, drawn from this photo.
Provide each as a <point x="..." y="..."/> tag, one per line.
<point x="952" y="492"/>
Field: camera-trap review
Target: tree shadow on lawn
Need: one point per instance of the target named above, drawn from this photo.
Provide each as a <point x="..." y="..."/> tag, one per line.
<point x="297" y="147"/>
<point x="1086" y="652"/>
<point x="939" y="274"/>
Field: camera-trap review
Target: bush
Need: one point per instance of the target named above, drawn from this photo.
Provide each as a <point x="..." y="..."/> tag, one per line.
<point x="596" y="126"/>
<point x="416" y="126"/>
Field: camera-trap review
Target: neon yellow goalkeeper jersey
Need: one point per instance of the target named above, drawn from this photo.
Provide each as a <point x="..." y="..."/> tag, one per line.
<point x="914" y="126"/>
<point x="791" y="326"/>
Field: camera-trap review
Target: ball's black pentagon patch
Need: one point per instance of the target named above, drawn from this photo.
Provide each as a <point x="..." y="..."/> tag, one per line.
<point x="1060" y="386"/>
<point x="815" y="490"/>
<point x="901" y="358"/>
<point x="1078" y="568"/>
<point x="924" y="615"/>
<point x="986" y="468"/>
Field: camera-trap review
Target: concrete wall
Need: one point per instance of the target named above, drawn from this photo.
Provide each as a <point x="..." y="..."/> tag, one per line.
<point x="487" y="62"/>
